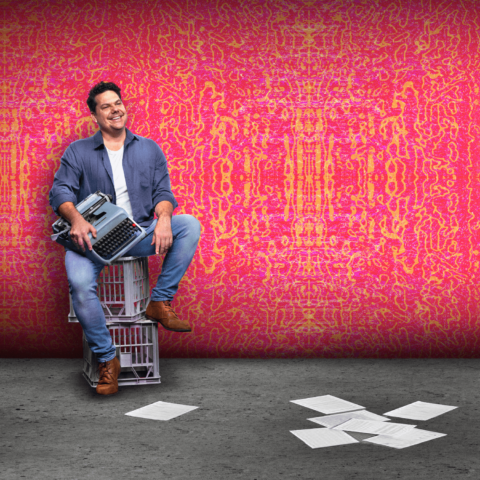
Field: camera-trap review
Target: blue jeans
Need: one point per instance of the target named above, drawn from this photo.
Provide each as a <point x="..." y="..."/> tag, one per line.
<point x="82" y="276"/>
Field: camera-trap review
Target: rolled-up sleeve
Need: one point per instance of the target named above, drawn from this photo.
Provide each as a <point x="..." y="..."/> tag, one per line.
<point x="66" y="182"/>
<point x="161" y="181"/>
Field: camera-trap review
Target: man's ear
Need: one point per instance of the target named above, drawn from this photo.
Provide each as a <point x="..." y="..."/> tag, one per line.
<point x="94" y="117"/>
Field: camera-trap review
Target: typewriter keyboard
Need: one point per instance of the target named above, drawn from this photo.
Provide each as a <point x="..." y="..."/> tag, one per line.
<point x="116" y="239"/>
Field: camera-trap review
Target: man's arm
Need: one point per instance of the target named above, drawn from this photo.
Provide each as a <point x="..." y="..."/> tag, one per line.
<point x="66" y="182"/>
<point x="162" y="235"/>
<point x="80" y="227"/>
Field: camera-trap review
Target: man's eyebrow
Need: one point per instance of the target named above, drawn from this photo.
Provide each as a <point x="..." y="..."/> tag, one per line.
<point x="107" y="104"/>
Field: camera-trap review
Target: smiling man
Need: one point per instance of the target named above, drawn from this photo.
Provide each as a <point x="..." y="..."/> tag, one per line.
<point x="134" y="171"/>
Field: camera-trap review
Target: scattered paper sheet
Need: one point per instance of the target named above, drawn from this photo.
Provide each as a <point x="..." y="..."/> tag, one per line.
<point x="420" y="411"/>
<point x="414" y="437"/>
<point x="361" y="436"/>
<point x="323" y="437"/>
<point x="331" y="421"/>
<point x="377" y="428"/>
<point x="327" y="404"/>
<point x="161" y="411"/>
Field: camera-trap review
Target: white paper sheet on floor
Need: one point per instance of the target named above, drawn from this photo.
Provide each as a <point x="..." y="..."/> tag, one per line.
<point x="327" y="404"/>
<point x="323" y="437"/>
<point x="161" y="411"/>
<point x="331" y="421"/>
<point x="375" y="428"/>
<point x="414" y="437"/>
<point x="420" y="411"/>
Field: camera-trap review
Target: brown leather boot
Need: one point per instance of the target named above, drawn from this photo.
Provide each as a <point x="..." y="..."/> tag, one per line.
<point x="108" y="377"/>
<point x="162" y="312"/>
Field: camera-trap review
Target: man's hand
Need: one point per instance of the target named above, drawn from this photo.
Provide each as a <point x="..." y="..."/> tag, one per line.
<point x="80" y="227"/>
<point x="162" y="235"/>
<point x="79" y="233"/>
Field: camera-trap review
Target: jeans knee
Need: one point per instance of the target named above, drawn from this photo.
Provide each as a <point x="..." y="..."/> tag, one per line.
<point x="81" y="289"/>
<point x="81" y="273"/>
<point x="196" y="228"/>
<point x="192" y="226"/>
<point x="81" y="284"/>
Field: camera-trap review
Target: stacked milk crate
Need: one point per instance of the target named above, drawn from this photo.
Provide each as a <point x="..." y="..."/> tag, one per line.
<point x="123" y="290"/>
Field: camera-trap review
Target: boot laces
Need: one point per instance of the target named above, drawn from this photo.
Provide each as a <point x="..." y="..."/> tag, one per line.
<point x="168" y="305"/>
<point x="104" y="371"/>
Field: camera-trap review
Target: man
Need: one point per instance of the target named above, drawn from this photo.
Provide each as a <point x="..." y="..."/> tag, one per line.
<point x="134" y="171"/>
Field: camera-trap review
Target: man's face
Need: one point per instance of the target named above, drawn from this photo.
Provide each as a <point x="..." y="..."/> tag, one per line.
<point x="110" y="112"/>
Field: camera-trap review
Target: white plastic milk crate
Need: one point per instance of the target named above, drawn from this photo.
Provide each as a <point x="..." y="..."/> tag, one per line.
<point x="137" y="351"/>
<point x="123" y="290"/>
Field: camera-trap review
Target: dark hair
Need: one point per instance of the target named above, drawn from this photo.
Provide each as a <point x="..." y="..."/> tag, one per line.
<point x="100" y="88"/>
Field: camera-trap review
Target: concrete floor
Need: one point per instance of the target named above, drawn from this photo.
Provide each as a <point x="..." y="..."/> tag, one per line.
<point x="54" y="426"/>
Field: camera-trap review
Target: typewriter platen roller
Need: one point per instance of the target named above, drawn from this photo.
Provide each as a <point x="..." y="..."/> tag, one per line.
<point x="116" y="231"/>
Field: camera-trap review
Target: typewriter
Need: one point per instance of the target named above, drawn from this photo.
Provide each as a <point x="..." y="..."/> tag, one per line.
<point x="116" y="231"/>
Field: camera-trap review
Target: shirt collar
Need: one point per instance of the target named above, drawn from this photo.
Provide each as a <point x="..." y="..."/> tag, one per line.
<point x="98" y="139"/>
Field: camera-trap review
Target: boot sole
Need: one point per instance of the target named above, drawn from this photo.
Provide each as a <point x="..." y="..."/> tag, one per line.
<point x="166" y="328"/>
<point x="106" y="394"/>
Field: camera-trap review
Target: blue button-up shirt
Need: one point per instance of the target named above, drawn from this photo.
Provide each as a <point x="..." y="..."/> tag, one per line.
<point x="85" y="168"/>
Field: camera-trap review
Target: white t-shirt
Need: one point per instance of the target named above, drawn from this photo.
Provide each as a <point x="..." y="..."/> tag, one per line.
<point x="116" y="161"/>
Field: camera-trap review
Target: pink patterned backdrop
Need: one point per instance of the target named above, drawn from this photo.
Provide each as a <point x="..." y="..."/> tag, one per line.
<point x="329" y="149"/>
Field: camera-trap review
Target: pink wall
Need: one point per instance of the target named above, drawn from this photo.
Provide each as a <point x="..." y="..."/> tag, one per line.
<point x="329" y="148"/>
